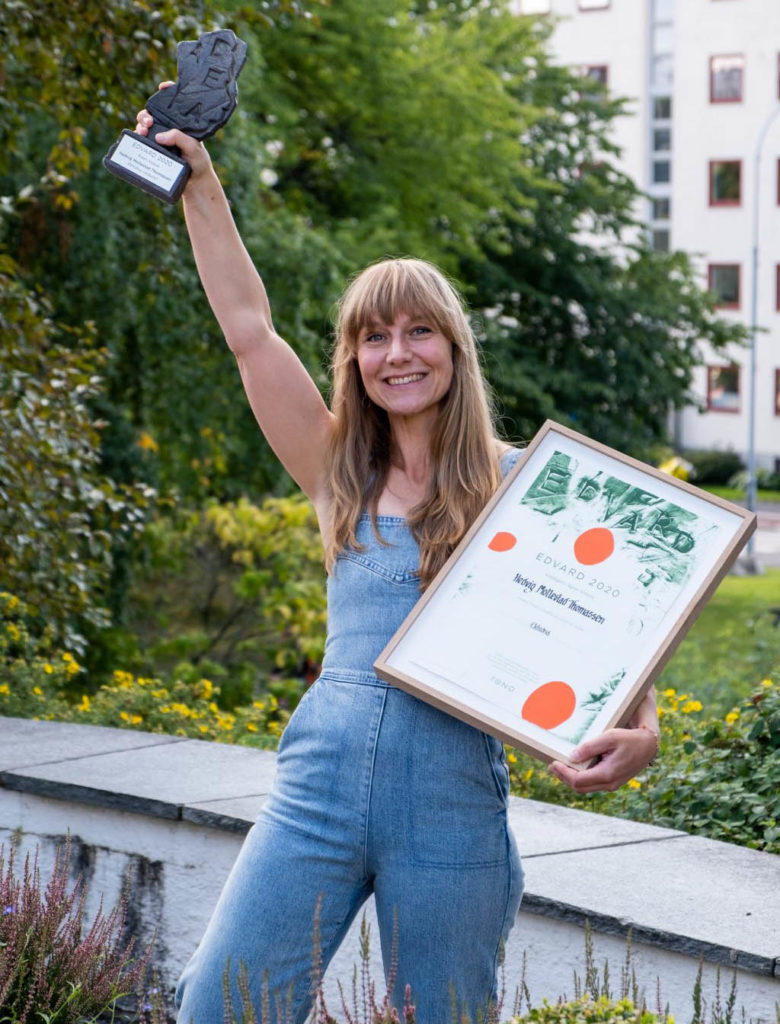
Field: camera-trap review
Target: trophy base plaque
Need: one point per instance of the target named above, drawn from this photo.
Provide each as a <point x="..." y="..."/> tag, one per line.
<point x="157" y="170"/>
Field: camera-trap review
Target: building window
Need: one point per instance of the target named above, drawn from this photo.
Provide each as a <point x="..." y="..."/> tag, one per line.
<point x="659" y="239"/>
<point x="662" y="172"/>
<point x="662" y="139"/>
<point x="723" y="388"/>
<point x="662" y="71"/>
<point x="727" y="76"/>
<point x="533" y="6"/>
<point x="662" y="209"/>
<point x="725" y="182"/>
<point x="723" y="280"/>
<point x="662" y="108"/>
<point x="593" y="5"/>
<point x="598" y="72"/>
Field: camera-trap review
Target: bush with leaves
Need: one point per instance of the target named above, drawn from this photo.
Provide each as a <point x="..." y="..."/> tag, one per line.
<point x="237" y="589"/>
<point x="717" y="777"/>
<point x="53" y="967"/>
<point x="59" y="516"/>
<point x="41" y="681"/>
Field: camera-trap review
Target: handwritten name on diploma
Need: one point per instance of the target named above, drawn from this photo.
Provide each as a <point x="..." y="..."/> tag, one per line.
<point x="561" y="599"/>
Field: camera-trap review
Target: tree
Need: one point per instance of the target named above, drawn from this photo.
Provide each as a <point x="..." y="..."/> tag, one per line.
<point x="583" y="322"/>
<point x="58" y="513"/>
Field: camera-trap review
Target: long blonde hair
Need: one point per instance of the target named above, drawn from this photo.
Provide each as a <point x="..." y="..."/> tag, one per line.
<point x="464" y="453"/>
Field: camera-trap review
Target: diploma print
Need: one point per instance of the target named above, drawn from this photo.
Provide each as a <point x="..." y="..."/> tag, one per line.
<point x="566" y="594"/>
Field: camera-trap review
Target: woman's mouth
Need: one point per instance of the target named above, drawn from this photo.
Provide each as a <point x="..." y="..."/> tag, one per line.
<point x="409" y="378"/>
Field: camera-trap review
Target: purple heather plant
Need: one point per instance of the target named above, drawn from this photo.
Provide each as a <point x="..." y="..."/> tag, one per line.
<point x="52" y="966"/>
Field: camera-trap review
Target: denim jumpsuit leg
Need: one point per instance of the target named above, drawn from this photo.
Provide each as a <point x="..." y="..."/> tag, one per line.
<point x="375" y="791"/>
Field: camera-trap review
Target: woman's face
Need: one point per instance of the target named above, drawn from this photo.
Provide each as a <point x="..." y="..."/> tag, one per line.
<point x="406" y="366"/>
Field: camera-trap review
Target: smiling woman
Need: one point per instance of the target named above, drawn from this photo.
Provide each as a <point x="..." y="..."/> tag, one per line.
<point x="375" y="791"/>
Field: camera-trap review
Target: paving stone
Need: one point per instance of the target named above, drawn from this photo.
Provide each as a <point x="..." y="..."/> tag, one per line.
<point x="156" y="779"/>
<point x="690" y="894"/>
<point x="24" y="742"/>
<point x="547" y="828"/>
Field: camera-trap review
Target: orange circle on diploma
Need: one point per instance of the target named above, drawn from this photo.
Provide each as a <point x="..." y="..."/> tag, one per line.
<point x="503" y="541"/>
<point x="550" y="704"/>
<point x="594" y="546"/>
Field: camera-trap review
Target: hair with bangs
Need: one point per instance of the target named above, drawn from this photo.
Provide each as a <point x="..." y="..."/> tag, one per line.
<point x="464" y="455"/>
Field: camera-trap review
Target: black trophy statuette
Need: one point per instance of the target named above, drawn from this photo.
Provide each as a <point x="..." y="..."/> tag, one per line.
<point x="199" y="103"/>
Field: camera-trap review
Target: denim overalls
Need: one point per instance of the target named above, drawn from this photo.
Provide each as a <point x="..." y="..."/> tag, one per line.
<point x="375" y="791"/>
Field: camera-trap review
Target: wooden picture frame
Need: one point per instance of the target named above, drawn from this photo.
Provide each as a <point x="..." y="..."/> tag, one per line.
<point x="567" y="596"/>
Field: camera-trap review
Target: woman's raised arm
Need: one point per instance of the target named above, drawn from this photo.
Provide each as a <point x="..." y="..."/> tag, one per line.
<point x="284" y="398"/>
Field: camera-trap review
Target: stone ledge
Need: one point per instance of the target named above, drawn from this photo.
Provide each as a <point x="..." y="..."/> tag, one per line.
<point x="681" y="893"/>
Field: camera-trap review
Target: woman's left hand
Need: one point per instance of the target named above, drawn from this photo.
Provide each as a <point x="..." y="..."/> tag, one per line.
<point x="622" y="753"/>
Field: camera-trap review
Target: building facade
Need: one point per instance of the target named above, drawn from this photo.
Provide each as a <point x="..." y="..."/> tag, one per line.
<point x="702" y="139"/>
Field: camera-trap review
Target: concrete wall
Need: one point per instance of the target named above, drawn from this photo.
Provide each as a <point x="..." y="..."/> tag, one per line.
<point x="683" y="898"/>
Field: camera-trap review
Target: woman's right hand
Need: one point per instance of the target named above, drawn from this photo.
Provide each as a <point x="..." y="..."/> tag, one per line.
<point x="194" y="152"/>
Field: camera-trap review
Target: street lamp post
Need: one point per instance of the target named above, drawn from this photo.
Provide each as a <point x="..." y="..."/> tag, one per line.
<point x="751" y="467"/>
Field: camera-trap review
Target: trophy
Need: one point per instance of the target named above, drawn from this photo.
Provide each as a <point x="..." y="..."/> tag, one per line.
<point x="199" y="103"/>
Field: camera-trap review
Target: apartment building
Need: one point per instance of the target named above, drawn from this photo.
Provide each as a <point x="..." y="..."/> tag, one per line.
<point x="702" y="139"/>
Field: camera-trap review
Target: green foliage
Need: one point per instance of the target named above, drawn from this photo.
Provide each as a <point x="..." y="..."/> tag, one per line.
<point x="40" y="681"/>
<point x="714" y="465"/>
<point x="240" y="587"/>
<point x="765" y="480"/>
<point x="60" y="516"/>
<point x="587" y="1010"/>
<point x="52" y="967"/>
<point x="717" y="777"/>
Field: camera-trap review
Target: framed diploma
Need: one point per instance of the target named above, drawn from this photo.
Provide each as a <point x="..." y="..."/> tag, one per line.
<point x="568" y="595"/>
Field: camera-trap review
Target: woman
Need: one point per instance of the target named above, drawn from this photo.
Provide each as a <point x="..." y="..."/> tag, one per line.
<point x="376" y="792"/>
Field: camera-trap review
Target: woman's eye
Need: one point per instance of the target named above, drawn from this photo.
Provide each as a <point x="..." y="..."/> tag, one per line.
<point x="373" y="338"/>
<point x="419" y="331"/>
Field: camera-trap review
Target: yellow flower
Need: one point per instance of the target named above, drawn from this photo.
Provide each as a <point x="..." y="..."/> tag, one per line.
<point x="4" y="689"/>
<point x="732" y="717"/>
<point x="130" y="719"/>
<point x="48" y="669"/>
<point x="72" y="668"/>
<point x="206" y="688"/>
<point x="12" y="631"/>
<point x="148" y="443"/>
<point x="511" y="758"/>
<point x="67" y="656"/>
<point x="669" y="693"/>
<point x="203" y="728"/>
<point x="634" y="784"/>
<point x="37" y="691"/>
<point x="251" y="727"/>
<point x="691" y="705"/>
<point x="766" y="682"/>
<point x="259" y="705"/>
<point x="11" y="601"/>
<point x="85" y="703"/>
<point x="528" y="775"/>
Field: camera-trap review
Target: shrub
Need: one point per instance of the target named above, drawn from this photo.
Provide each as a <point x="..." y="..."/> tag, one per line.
<point x="60" y="518"/>
<point x="587" y="1010"/>
<point x="717" y="777"/>
<point x="239" y="585"/>
<point x="714" y="466"/>
<point x="765" y="480"/>
<point x="53" y="968"/>
<point x="38" y="680"/>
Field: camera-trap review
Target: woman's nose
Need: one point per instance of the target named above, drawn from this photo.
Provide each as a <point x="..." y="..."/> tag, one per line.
<point x="398" y="349"/>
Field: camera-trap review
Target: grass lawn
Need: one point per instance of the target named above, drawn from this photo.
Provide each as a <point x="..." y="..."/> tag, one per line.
<point x="732" y="646"/>
<point x="736" y="494"/>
